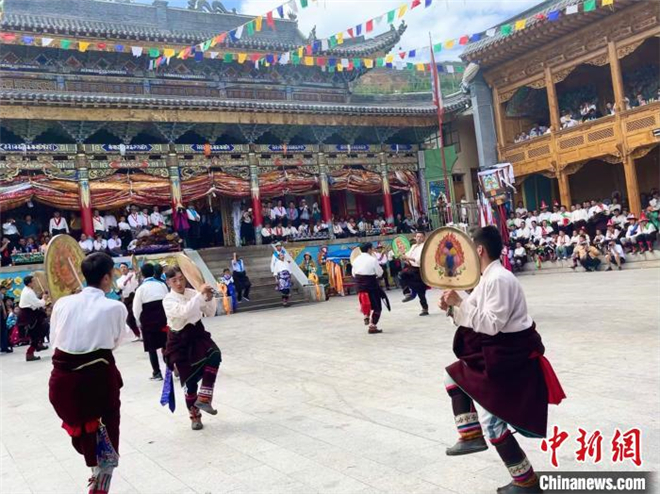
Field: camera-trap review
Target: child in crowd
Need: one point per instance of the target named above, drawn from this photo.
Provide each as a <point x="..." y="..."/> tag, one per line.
<point x="227" y="280"/>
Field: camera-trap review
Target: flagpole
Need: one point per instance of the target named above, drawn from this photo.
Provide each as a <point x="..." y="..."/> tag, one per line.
<point x="437" y="97"/>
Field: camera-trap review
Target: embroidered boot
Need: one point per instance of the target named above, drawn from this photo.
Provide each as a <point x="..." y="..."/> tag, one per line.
<point x="99" y="483"/>
<point x="524" y="478"/>
<point x="373" y="329"/>
<point x="195" y="419"/>
<point x="205" y="396"/>
<point x="471" y="437"/>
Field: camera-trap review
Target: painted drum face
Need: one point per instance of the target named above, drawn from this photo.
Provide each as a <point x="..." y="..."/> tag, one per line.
<point x="62" y="265"/>
<point x="450" y="260"/>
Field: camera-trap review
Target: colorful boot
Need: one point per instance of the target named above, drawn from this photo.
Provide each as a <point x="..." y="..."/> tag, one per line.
<point x="195" y="419"/>
<point x="205" y="396"/>
<point x="524" y="479"/>
<point x="99" y="483"/>
<point x="471" y="437"/>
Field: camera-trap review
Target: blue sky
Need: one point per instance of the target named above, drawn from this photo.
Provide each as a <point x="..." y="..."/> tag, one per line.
<point x="445" y="19"/>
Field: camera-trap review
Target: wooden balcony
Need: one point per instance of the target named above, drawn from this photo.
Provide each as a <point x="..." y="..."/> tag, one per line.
<point x="596" y="139"/>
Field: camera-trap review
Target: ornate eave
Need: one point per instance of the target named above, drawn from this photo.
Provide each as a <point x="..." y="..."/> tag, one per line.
<point x="539" y="34"/>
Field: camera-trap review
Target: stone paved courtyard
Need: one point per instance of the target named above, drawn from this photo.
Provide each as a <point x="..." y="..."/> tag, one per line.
<point x="308" y="402"/>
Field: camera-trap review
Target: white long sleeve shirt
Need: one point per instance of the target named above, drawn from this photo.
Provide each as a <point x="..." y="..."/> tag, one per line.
<point x="579" y="215"/>
<point x="157" y="219"/>
<point x="29" y="300"/>
<point x="187" y="308"/>
<point x="367" y="265"/>
<point x="149" y="291"/>
<point x="135" y="221"/>
<point x="57" y="224"/>
<point x="110" y="221"/>
<point x="99" y="224"/>
<point x="127" y="283"/>
<point x="497" y="304"/>
<point x="88" y="321"/>
<point x="86" y="245"/>
<point x="416" y="253"/>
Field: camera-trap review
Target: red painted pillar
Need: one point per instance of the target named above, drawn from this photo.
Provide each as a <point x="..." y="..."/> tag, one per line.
<point x="387" y="195"/>
<point x="326" y="209"/>
<point x="85" y="196"/>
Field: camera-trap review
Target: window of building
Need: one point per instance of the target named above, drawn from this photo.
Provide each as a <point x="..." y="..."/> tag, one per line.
<point x="450" y="135"/>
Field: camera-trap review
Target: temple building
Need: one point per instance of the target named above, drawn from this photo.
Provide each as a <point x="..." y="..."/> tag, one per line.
<point x="88" y="122"/>
<point x="572" y="101"/>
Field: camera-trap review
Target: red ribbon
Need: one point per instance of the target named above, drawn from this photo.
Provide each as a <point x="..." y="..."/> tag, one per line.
<point x="555" y="391"/>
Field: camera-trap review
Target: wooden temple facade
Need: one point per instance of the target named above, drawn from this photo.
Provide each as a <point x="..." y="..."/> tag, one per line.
<point x="555" y="60"/>
<point x="100" y="128"/>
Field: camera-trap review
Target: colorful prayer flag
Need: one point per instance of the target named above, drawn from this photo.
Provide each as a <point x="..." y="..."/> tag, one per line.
<point x="416" y="3"/>
<point x="520" y="24"/>
<point x="463" y="40"/>
<point x="300" y="51"/>
<point x="303" y="3"/>
<point x="340" y="38"/>
<point x="572" y="9"/>
<point x="242" y="57"/>
<point x="229" y="57"/>
<point x="449" y="44"/>
<point x="280" y="11"/>
<point x="168" y="52"/>
<point x="66" y="43"/>
<point x="214" y="55"/>
<point x="589" y="5"/>
<point x="402" y="55"/>
<point x="357" y="62"/>
<point x="370" y="25"/>
<point x="427" y="3"/>
<point x="46" y="41"/>
<point x="505" y="29"/>
<point x="83" y="45"/>
<point x="333" y="41"/>
<point x="358" y="30"/>
<point x="412" y="53"/>
<point x="607" y="2"/>
<point x="350" y="32"/>
<point x="420" y="67"/>
<point x="154" y="52"/>
<point x="250" y="28"/>
<point x="239" y="32"/>
<point x="390" y="16"/>
<point x="199" y="56"/>
<point x="437" y="47"/>
<point x="389" y="58"/>
<point x="402" y="10"/>
<point x="258" y="22"/>
<point x="491" y="32"/>
<point x="269" y="20"/>
<point x="295" y="59"/>
<point x="368" y="63"/>
<point x="308" y="50"/>
<point x="380" y="62"/>
<point x="553" y="16"/>
<point x="309" y="61"/>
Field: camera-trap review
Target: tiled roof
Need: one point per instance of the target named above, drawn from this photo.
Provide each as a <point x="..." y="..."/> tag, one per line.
<point x="393" y="108"/>
<point x="158" y="23"/>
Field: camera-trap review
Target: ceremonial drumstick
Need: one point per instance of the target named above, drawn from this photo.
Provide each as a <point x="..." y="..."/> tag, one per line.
<point x="75" y="273"/>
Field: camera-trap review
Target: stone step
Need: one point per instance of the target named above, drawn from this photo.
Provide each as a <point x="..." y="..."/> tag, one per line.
<point x="633" y="261"/>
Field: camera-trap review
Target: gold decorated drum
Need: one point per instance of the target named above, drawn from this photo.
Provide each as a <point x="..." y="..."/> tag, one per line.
<point x="62" y="265"/>
<point x="450" y="260"/>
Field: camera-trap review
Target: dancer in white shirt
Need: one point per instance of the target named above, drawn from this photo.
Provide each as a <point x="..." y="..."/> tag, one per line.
<point x="32" y="319"/>
<point x="366" y="272"/>
<point x="411" y="277"/>
<point x="190" y="349"/>
<point x="149" y="313"/>
<point x="128" y="283"/>
<point x="85" y="382"/>
<point x="500" y="366"/>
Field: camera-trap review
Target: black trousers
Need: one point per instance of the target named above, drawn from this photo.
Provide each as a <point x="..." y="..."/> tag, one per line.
<point x="243" y="284"/>
<point x="153" y="359"/>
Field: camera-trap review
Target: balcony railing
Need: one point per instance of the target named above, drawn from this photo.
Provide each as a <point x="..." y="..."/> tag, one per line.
<point x="586" y="141"/>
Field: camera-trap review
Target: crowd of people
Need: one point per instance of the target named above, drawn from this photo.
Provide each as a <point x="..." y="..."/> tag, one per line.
<point x="582" y="234"/>
<point x="301" y="222"/>
<point x="588" y="111"/>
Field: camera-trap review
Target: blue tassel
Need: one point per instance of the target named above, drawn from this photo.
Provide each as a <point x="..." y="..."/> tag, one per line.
<point x="167" y="396"/>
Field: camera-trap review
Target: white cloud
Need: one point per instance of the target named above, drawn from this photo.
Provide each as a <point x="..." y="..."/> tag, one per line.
<point x="444" y="19"/>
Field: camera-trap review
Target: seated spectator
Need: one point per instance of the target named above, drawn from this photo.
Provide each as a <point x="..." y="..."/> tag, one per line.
<point x="599" y="240"/>
<point x="44" y="243"/>
<point x="100" y="244"/>
<point x="21" y="247"/>
<point x="278" y="232"/>
<point x="632" y="237"/>
<point x="649" y="233"/>
<point x="423" y="224"/>
<point x="620" y="219"/>
<point x="612" y="232"/>
<point x="114" y="244"/>
<point x="614" y="253"/>
<point x="98" y="224"/>
<point x="519" y="256"/>
<point x="520" y="209"/>
<point x="546" y="229"/>
<point x="337" y="230"/>
<point x="86" y="243"/>
<point x="303" y="230"/>
<point x="110" y="221"/>
<point x="267" y="233"/>
<point x="567" y="121"/>
<point x="639" y="100"/>
<point x="564" y="248"/>
<point x="352" y="227"/>
<point x="321" y="228"/>
<point x="32" y="244"/>
<point x="609" y="108"/>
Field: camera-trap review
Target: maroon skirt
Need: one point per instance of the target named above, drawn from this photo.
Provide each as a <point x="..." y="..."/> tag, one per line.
<point x="190" y="349"/>
<point x="153" y="322"/>
<point x="503" y="374"/>
<point x="33" y="322"/>
<point x="84" y="389"/>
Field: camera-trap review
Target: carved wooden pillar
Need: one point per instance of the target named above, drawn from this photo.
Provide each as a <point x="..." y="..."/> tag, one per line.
<point x="85" y="196"/>
<point x="326" y="209"/>
<point x="175" y="180"/>
<point x="632" y="187"/>
<point x="564" y="190"/>
<point x="499" y="123"/>
<point x="258" y="217"/>
<point x="387" y="195"/>
<point x="617" y="78"/>
<point x="553" y="105"/>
